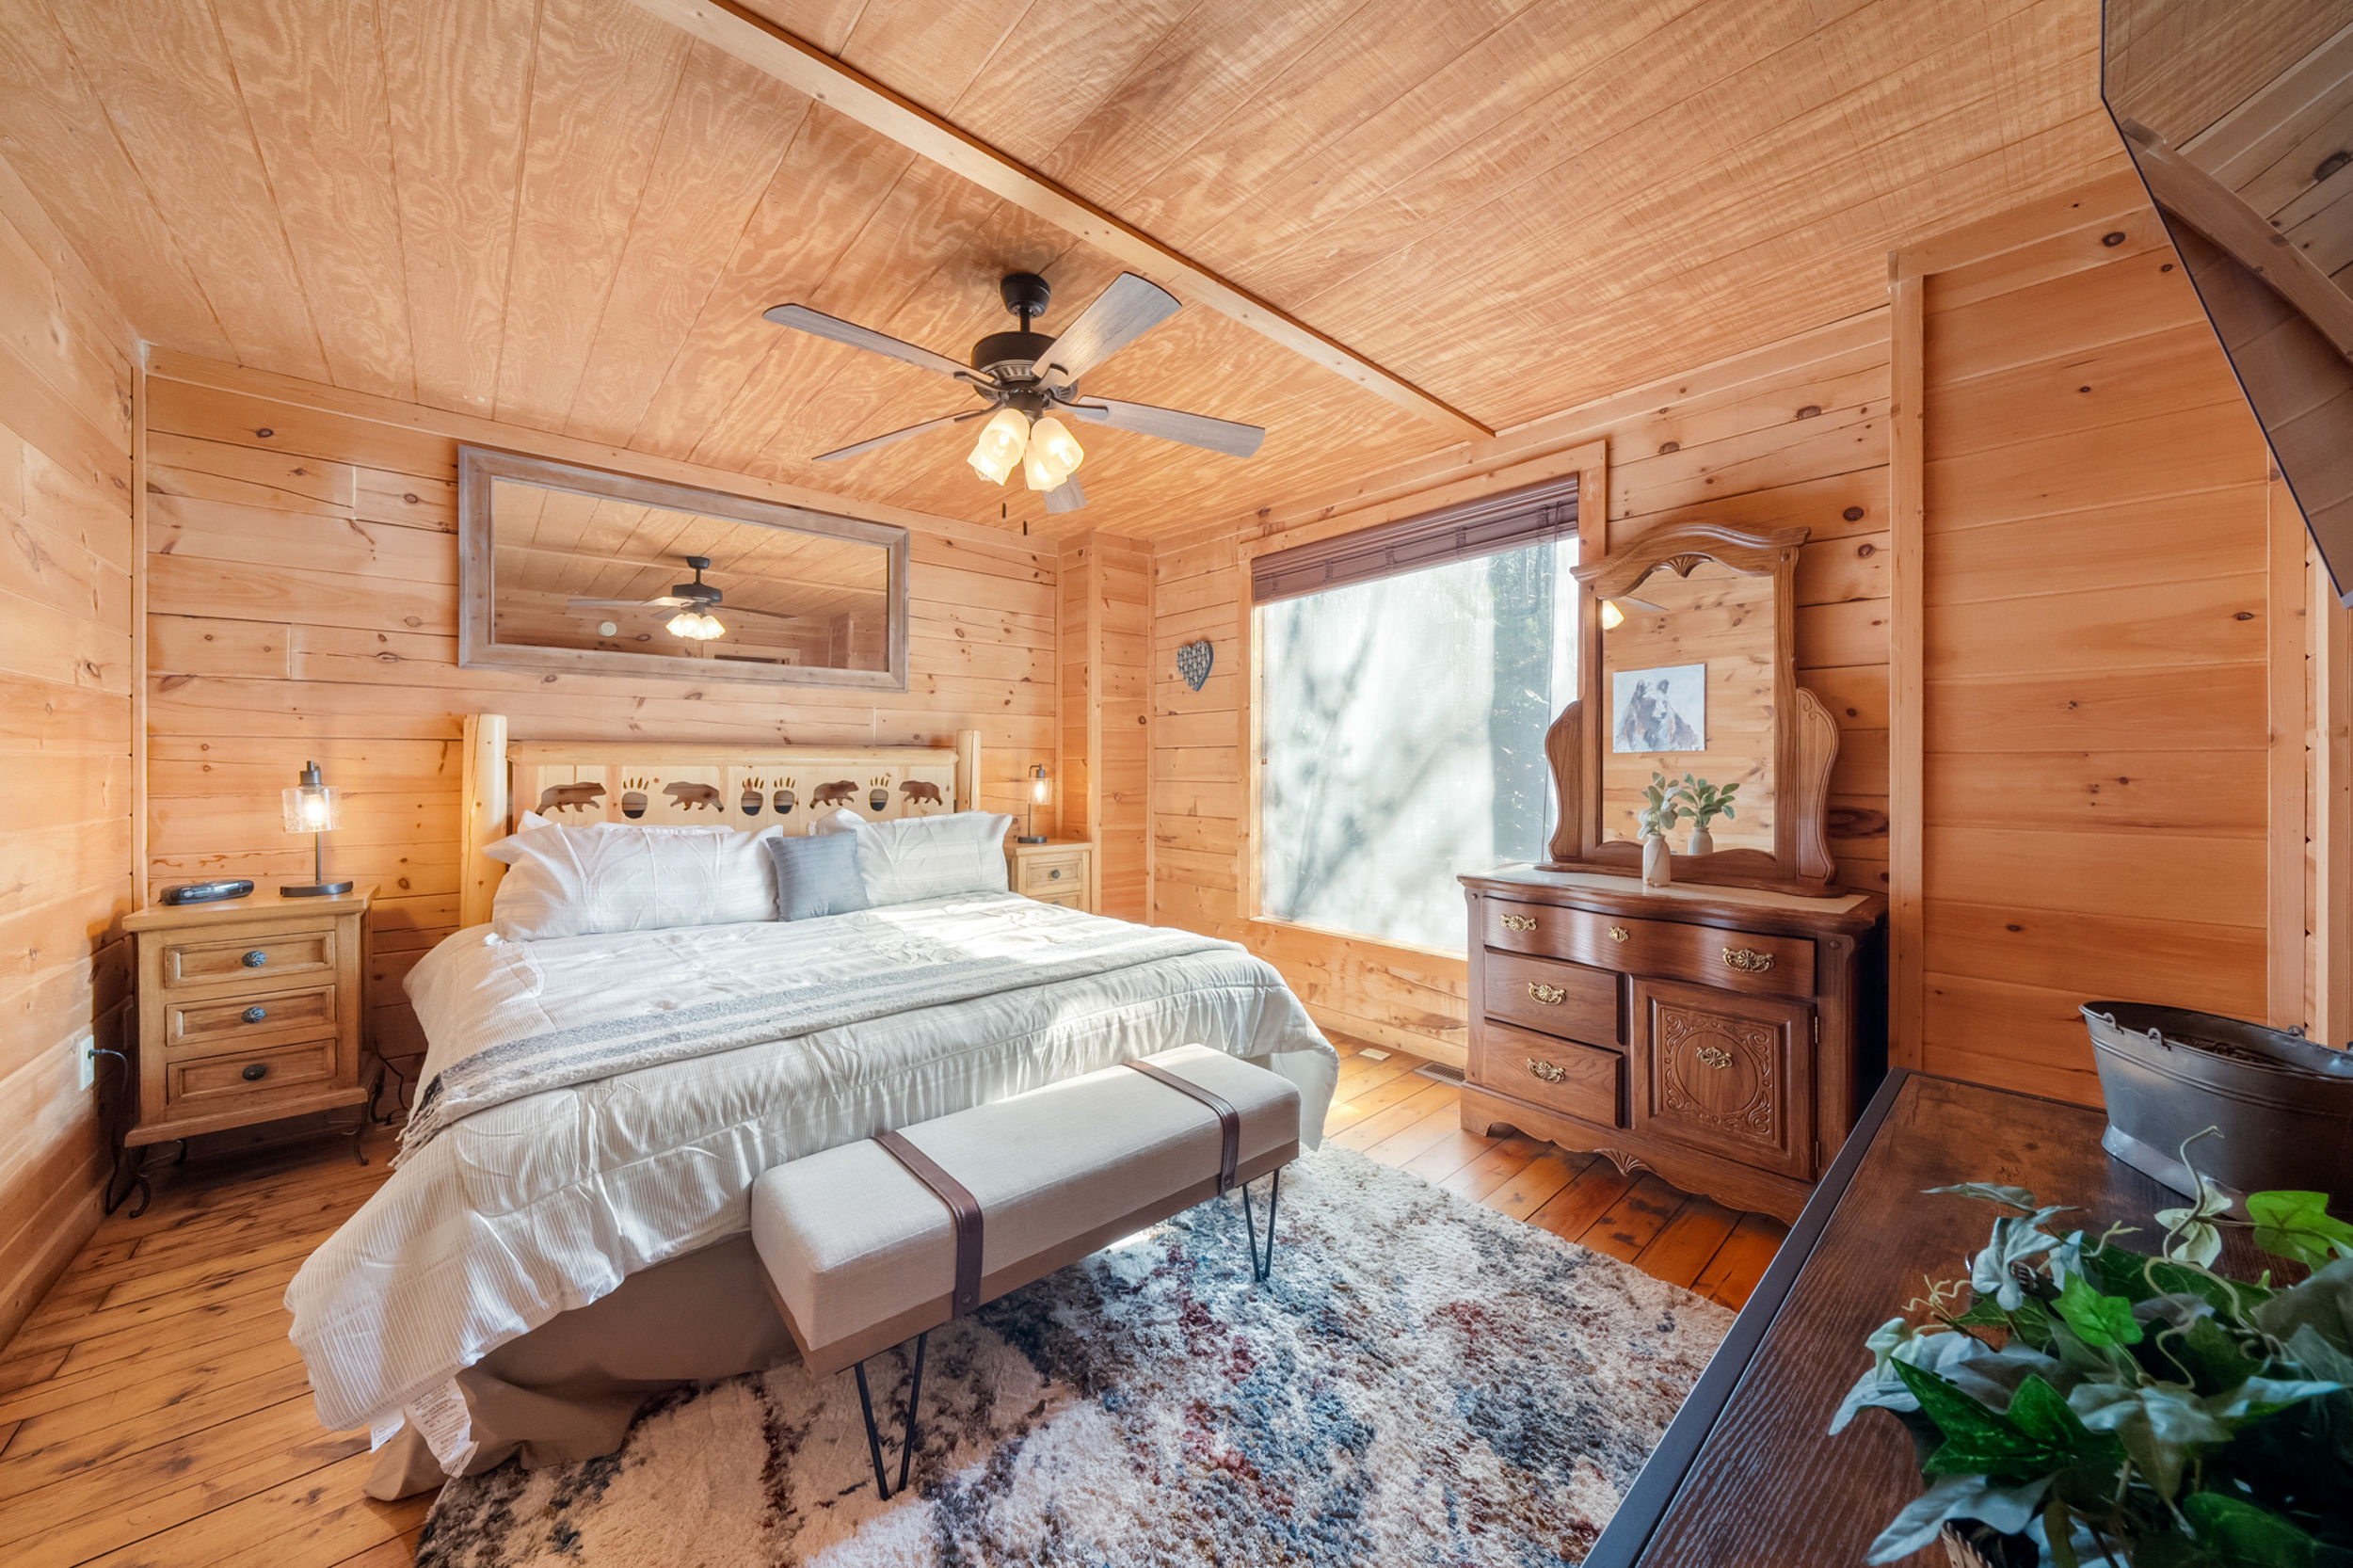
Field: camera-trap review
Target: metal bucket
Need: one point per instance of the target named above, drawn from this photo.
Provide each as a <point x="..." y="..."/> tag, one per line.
<point x="2282" y="1105"/>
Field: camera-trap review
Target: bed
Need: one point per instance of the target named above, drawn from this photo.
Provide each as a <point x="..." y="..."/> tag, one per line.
<point x="565" y="1229"/>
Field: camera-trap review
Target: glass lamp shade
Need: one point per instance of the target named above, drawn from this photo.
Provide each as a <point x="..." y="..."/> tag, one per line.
<point x="1041" y="788"/>
<point x="313" y="807"/>
<point x="1063" y="452"/>
<point x="1612" y="617"/>
<point x="696" y="626"/>
<point x="1002" y="442"/>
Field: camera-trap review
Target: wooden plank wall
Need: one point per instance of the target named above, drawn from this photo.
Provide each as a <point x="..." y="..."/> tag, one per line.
<point x="67" y="678"/>
<point x="2096" y="650"/>
<point x="1796" y="433"/>
<point x="1106" y="608"/>
<point x="303" y="593"/>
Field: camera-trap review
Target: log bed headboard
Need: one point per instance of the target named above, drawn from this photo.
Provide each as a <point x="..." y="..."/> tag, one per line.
<point x="746" y="787"/>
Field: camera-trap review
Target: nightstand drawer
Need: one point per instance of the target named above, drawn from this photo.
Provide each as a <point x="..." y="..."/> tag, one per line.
<point x="262" y="960"/>
<point x="249" y="1019"/>
<point x="247" y="1074"/>
<point x="1064" y="900"/>
<point x="1050" y="875"/>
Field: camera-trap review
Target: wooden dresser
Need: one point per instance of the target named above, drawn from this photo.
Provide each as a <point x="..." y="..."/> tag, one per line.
<point x="249" y="1010"/>
<point x="1060" y="871"/>
<point x="1722" y="1036"/>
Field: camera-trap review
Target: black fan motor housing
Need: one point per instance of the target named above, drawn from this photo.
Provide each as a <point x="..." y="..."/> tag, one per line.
<point x="1014" y="352"/>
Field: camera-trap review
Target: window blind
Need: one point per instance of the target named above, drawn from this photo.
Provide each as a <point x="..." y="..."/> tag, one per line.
<point x="1487" y="526"/>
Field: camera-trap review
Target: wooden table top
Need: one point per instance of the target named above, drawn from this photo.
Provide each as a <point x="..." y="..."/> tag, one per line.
<point x="1748" y="1473"/>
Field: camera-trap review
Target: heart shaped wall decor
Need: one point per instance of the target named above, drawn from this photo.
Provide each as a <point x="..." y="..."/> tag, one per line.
<point x="1194" y="661"/>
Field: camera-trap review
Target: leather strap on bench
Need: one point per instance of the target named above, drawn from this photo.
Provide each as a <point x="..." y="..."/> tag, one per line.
<point x="963" y="1211"/>
<point x="1229" y="1119"/>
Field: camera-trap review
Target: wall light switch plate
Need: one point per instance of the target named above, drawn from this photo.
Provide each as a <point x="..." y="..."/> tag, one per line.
<point x="86" y="1055"/>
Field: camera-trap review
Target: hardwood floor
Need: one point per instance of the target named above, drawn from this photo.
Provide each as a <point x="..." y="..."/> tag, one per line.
<point x="152" y="1413"/>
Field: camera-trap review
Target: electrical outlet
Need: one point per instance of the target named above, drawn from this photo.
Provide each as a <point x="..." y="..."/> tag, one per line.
<point x="86" y="1052"/>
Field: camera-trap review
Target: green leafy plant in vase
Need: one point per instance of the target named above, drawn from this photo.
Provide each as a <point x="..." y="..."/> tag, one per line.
<point x="2093" y="1405"/>
<point x="1662" y="807"/>
<point x="1705" y="802"/>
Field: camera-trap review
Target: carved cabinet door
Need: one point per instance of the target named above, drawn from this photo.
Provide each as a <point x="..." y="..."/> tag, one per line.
<point x="1723" y="1072"/>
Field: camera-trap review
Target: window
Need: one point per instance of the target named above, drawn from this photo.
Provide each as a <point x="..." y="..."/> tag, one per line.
<point x="1403" y="699"/>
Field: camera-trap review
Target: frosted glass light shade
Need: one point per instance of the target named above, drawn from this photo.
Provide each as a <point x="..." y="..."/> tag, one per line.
<point x="1002" y="442"/>
<point x="1612" y="617"/>
<point x="696" y="626"/>
<point x="1062" y="449"/>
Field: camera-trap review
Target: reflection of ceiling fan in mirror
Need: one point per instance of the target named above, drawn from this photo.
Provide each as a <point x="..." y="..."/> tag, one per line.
<point x="694" y="602"/>
<point x="1029" y="379"/>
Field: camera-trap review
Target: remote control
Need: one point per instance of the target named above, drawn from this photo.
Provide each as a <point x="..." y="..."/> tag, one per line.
<point x="205" y="892"/>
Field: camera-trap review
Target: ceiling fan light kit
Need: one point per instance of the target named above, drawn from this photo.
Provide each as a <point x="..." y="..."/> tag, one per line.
<point x="1029" y="377"/>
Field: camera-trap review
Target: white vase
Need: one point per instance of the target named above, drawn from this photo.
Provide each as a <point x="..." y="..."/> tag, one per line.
<point x="1702" y="842"/>
<point x="1657" y="862"/>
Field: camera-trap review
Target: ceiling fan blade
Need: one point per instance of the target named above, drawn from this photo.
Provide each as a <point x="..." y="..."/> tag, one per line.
<point x="834" y="329"/>
<point x="873" y="442"/>
<point x="1131" y="307"/>
<point x="1066" y="496"/>
<point x="1172" y="425"/>
<point x="664" y="603"/>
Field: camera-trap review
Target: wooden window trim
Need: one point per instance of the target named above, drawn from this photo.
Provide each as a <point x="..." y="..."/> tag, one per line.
<point x="1489" y="525"/>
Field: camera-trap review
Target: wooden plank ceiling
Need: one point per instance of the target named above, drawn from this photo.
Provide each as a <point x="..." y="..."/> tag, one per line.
<point x="569" y="215"/>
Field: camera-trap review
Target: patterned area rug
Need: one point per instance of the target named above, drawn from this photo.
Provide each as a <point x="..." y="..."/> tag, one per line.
<point x="1423" y="1381"/>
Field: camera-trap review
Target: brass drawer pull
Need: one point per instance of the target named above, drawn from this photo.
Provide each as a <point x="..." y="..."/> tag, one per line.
<point x="1545" y="1072"/>
<point x="1715" y="1056"/>
<point x="1519" y="922"/>
<point x="255" y="1071"/>
<point x="1748" y="960"/>
<point x="1619" y="933"/>
<point x="255" y="959"/>
<point x="1551" y="996"/>
<point x="255" y="1015"/>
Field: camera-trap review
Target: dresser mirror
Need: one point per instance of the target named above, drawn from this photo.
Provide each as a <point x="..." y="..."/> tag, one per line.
<point x="1688" y="686"/>
<point x="574" y="568"/>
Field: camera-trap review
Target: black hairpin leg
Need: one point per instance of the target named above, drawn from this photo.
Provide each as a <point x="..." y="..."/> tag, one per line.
<point x="883" y="1488"/>
<point x="1262" y="1268"/>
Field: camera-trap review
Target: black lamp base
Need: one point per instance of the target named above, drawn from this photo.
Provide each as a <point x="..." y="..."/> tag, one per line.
<point x="315" y="890"/>
<point x="1029" y="837"/>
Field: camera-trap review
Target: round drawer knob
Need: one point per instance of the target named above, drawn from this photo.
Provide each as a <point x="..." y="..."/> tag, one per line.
<point x="256" y="1071"/>
<point x="1054" y="876"/>
<point x="255" y="959"/>
<point x="255" y="1015"/>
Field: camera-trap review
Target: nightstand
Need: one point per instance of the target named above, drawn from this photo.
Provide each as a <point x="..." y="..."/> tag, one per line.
<point x="1060" y="871"/>
<point x="249" y="1011"/>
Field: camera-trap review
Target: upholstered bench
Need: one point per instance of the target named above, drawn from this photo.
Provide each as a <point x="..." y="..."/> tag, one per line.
<point x="870" y="1244"/>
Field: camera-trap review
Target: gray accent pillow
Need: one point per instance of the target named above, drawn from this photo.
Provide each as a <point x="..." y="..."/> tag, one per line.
<point x="817" y="876"/>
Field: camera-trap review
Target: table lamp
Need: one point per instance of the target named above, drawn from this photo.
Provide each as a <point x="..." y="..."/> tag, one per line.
<point x="314" y="807"/>
<point x="1041" y="791"/>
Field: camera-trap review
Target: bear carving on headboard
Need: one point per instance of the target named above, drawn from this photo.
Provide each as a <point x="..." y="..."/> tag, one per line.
<point x="918" y="793"/>
<point x="568" y="797"/>
<point x="835" y="793"/>
<point x="689" y="796"/>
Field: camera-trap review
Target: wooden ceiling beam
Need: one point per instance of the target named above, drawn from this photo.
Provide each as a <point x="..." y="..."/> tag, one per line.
<point x="809" y="70"/>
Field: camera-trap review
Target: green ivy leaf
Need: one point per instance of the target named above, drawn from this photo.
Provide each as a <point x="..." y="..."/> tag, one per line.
<point x="2097" y="1320"/>
<point x="2209" y="1357"/>
<point x="2298" y="1226"/>
<point x="2241" y="1533"/>
<point x="2038" y="1436"/>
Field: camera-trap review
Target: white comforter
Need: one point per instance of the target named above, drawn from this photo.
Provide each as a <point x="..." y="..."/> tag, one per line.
<point x="523" y="1211"/>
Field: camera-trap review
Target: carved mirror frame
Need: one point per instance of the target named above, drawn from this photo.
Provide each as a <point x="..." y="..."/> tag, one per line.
<point x="1805" y="740"/>
<point x="480" y="467"/>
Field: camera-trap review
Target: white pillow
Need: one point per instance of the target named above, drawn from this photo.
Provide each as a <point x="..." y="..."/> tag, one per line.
<point x="839" y="819"/>
<point x="933" y="857"/>
<point x="612" y="877"/>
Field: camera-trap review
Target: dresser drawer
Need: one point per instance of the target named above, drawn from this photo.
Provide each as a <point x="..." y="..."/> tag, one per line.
<point x="265" y="961"/>
<point x="1050" y="875"/>
<point x="1577" y="1081"/>
<point x="194" y="1084"/>
<point x="247" y="1019"/>
<point x="1736" y="960"/>
<point x="1566" y="1000"/>
<point x="1731" y="1075"/>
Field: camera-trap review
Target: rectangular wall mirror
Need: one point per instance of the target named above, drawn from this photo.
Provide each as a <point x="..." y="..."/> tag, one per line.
<point x="575" y="568"/>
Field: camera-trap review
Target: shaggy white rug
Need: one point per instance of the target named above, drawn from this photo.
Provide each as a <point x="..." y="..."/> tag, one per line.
<point x="1423" y="1381"/>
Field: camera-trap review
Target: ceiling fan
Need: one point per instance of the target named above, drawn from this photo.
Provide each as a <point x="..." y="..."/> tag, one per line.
<point x="1027" y="378"/>
<point x="694" y="602"/>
